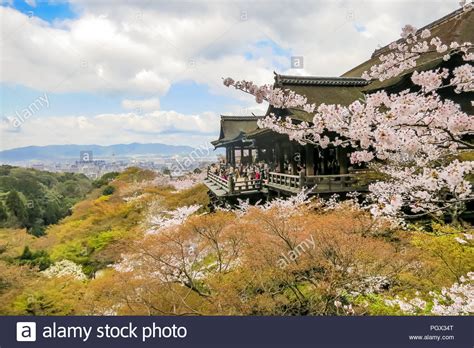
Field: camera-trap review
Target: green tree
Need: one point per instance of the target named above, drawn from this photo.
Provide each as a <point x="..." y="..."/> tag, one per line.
<point x="108" y="190"/>
<point x="16" y="206"/>
<point x="39" y="258"/>
<point x="3" y="212"/>
<point x="105" y="179"/>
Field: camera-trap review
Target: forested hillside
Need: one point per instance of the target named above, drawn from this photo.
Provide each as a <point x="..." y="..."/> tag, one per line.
<point x="34" y="199"/>
<point x="143" y="244"/>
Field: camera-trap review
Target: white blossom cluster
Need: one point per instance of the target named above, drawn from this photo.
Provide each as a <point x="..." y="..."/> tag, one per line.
<point x="457" y="300"/>
<point x="408" y="306"/>
<point x="405" y="53"/>
<point x="421" y="191"/>
<point x="188" y="181"/>
<point x="171" y="218"/>
<point x="286" y="207"/>
<point x="65" y="268"/>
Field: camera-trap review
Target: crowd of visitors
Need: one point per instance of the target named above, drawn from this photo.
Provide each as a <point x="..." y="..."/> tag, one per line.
<point x="245" y="172"/>
<point x="254" y="171"/>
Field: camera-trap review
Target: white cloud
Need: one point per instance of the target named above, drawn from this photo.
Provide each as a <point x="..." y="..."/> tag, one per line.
<point x="146" y="46"/>
<point x="142" y="105"/>
<point x="168" y="127"/>
<point x="149" y="81"/>
<point x="140" y="49"/>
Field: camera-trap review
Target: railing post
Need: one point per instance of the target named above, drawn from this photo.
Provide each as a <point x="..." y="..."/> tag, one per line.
<point x="302" y="179"/>
<point x="230" y="184"/>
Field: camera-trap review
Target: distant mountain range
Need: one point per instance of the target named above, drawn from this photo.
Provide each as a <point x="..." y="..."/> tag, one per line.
<point x="71" y="152"/>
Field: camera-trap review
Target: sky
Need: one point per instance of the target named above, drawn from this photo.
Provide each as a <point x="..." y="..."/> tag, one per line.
<point x="150" y="71"/>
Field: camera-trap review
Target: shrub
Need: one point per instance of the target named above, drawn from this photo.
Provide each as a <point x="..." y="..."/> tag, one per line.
<point x="108" y="190"/>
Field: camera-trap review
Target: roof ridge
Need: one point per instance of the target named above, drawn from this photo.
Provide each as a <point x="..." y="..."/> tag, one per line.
<point x="241" y="117"/>
<point x="319" y="80"/>
<point x="318" y="77"/>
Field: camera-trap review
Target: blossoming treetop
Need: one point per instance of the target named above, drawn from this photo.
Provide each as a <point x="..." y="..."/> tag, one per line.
<point x="413" y="137"/>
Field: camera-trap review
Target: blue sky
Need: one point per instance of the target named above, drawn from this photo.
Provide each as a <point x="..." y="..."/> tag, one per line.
<point x="126" y="70"/>
<point x="46" y="10"/>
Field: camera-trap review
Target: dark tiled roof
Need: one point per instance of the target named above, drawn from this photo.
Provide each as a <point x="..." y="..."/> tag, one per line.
<point x="318" y="81"/>
<point x="318" y="90"/>
<point x="234" y="128"/>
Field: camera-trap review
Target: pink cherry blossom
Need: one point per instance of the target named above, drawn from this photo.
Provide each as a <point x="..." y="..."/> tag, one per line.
<point x="409" y="136"/>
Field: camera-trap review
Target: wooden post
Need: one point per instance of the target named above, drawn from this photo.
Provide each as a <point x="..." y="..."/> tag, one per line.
<point x="309" y="159"/>
<point x="302" y="179"/>
<point x="343" y="160"/>
<point x="232" y="154"/>
<point x="294" y="165"/>
<point x="324" y="161"/>
<point x="241" y="154"/>
<point x="230" y="183"/>
<point x="280" y="158"/>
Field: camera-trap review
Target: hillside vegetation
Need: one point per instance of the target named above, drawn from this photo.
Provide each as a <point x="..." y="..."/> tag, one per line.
<point x="148" y="246"/>
<point x="34" y="199"/>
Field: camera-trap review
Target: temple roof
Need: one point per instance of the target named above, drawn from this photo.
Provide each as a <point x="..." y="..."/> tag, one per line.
<point x="457" y="26"/>
<point x="318" y="90"/>
<point x="234" y="128"/>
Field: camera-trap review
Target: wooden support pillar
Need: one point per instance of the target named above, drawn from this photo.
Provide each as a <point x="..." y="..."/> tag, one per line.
<point x="309" y="159"/>
<point x="293" y="163"/>
<point x="343" y="159"/>
<point x="250" y="156"/>
<point x="227" y="155"/>
<point x="302" y="179"/>
<point x="230" y="183"/>
<point x="241" y="154"/>
<point x="317" y="161"/>
<point x="324" y="161"/>
<point x="280" y="159"/>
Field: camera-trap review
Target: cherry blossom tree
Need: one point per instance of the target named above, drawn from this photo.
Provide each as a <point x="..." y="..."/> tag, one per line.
<point x="455" y="300"/>
<point x="65" y="268"/>
<point x="412" y="137"/>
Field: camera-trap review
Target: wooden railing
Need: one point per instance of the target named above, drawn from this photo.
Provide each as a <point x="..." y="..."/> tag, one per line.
<point x="216" y="179"/>
<point x="231" y="185"/>
<point x="247" y="185"/>
<point x="287" y="180"/>
<point x="293" y="183"/>
<point x="323" y="183"/>
<point x="332" y="183"/>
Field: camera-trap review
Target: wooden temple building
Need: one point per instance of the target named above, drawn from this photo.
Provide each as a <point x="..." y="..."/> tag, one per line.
<point x="291" y="166"/>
